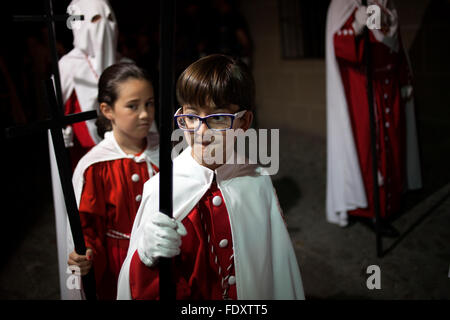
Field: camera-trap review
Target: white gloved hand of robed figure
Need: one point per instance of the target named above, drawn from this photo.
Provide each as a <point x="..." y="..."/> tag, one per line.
<point x="161" y="237"/>
<point x="68" y="136"/>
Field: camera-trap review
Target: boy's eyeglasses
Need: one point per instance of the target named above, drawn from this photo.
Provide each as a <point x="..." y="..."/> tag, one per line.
<point x="216" y="122"/>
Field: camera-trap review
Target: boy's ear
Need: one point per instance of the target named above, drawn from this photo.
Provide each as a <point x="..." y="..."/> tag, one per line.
<point x="106" y="110"/>
<point x="246" y="120"/>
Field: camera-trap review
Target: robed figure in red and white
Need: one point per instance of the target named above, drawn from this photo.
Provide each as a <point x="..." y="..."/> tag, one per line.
<point x="349" y="161"/>
<point x="95" y="46"/>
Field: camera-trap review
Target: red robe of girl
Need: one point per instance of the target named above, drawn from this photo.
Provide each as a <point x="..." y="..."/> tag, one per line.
<point x="206" y="257"/>
<point x="390" y="74"/>
<point x="109" y="202"/>
<point x="108" y="185"/>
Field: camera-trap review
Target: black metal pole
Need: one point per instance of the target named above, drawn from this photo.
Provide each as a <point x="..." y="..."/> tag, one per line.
<point x="65" y="174"/>
<point x="373" y="138"/>
<point x="166" y="89"/>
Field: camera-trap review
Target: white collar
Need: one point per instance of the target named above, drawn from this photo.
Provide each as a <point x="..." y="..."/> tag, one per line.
<point x="151" y="147"/>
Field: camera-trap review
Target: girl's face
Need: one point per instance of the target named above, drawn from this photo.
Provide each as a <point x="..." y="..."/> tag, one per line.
<point x="134" y="110"/>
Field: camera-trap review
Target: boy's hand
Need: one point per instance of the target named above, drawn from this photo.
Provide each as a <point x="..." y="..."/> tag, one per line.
<point x="84" y="262"/>
<point x="161" y="238"/>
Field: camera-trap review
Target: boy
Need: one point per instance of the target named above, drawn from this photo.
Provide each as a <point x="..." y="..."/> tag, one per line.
<point x="228" y="236"/>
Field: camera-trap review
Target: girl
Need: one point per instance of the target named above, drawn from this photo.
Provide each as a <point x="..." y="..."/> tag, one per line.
<point x="109" y="179"/>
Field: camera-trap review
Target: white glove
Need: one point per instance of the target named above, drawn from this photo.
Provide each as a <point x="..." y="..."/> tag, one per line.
<point x="361" y="17"/>
<point x="68" y="136"/>
<point x="161" y="238"/>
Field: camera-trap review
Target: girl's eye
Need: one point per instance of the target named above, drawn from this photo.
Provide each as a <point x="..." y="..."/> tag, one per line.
<point x="150" y="104"/>
<point x="132" y="106"/>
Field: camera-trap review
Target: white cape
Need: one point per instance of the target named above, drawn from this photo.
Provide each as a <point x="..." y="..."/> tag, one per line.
<point x="265" y="262"/>
<point x="106" y="150"/>
<point x="345" y="187"/>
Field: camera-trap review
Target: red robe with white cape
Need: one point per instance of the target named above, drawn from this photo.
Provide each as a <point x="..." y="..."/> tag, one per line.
<point x="265" y="263"/>
<point x="346" y="188"/>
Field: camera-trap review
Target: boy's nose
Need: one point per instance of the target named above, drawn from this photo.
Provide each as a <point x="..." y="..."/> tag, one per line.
<point x="202" y="129"/>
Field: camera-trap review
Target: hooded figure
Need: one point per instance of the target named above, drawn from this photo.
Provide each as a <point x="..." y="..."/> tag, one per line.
<point x="349" y="167"/>
<point x="95" y="44"/>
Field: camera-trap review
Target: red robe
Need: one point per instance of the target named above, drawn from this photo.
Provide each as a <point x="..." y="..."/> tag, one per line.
<point x="82" y="141"/>
<point x="109" y="201"/>
<point x="207" y="271"/>
<point x="390" y="73"/>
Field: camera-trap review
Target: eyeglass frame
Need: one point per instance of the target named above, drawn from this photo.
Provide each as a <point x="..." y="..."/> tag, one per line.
<point x="234" y="116"/>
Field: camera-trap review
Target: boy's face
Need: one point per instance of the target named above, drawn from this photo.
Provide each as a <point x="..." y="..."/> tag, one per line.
<point x="209" y="147"/>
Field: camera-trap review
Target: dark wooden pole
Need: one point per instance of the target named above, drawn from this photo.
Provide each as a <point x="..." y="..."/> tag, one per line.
<point x="166" y="97"/>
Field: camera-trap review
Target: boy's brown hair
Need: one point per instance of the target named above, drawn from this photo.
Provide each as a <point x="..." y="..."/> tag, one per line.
<point x="217" y="80"/>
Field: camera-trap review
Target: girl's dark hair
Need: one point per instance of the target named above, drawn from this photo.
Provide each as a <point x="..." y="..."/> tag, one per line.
<point x="217" y="80"/>
<point x="108" y="84"/>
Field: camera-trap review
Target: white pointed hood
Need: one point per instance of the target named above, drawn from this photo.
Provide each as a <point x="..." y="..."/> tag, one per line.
<point x="95" y="47"/>
<point x="98" y="40"/>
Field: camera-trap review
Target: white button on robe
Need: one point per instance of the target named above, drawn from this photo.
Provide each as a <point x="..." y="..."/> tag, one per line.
<point x="138" y="197"/>
<point x="231" y="280"/>
<point x="223" y="243"/>
<point x="135" y="177"/>
<point x="217" y="201"/>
